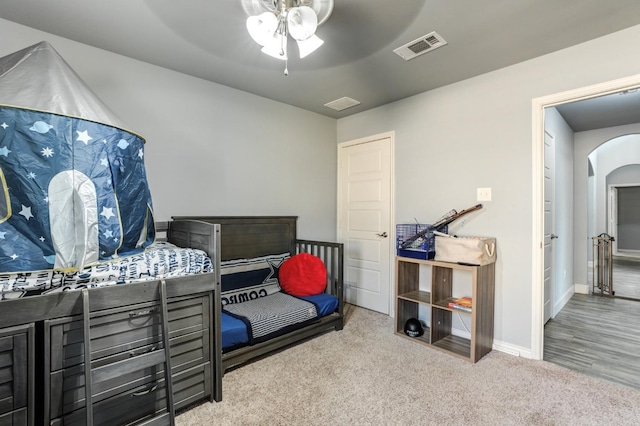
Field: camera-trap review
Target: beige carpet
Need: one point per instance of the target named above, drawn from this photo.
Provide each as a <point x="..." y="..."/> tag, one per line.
<point x="366" y="375"/>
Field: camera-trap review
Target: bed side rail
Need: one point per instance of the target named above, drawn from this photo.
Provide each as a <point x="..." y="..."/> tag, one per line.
<point x="332" y="254"/>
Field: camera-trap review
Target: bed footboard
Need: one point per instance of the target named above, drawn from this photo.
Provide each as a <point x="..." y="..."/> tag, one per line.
<point x="203" y="236"/>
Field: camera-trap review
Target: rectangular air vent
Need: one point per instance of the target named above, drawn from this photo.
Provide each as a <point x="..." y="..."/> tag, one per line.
<point x="342" y="103"/>
<point x="419" y="46"/>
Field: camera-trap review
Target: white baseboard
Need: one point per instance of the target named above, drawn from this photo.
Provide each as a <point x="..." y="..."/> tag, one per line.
<point x="581" y="288"/>
<point x="559" y="304"/>
<point x="510" y="349"/>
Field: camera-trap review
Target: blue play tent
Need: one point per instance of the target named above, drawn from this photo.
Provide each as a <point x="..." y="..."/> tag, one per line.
<point x="73" y="186"/>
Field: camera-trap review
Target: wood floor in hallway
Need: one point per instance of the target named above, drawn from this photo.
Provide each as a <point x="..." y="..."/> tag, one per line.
<point x="598" y="336"/>
<point x="626" y="277"/>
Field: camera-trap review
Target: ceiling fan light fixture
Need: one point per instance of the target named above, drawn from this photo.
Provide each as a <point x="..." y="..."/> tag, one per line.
<point x="262" y="27"/>
<point x="309" y="45"/>
<point x="275" y="20"/>
<point x="276" y="47"/>
<point x="302" y="22"/>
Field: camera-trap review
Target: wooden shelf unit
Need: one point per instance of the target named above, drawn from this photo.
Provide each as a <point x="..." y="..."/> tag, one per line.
<point x="439" y="335"/>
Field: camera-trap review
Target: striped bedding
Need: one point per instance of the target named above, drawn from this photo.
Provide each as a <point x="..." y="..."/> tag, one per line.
<point x="272" y="314"/>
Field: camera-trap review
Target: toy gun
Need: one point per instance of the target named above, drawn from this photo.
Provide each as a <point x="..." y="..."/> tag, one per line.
<point x="445" y="220"/>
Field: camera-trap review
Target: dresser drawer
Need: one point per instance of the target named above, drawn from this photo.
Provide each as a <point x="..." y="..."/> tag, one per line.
<point x="189" y="315"/>
<point x="15" y="418"/>
<point x="122" y="331"/>
<point x="111" y="333"/>
<point x="143" y="400"/>
<point x="67" y="385"/>
<point x="16" y="374"/>
<point x="118" y="335"/>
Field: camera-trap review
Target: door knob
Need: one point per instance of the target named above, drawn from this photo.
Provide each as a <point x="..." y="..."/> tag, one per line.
<point x="383" y="235"/>
<point x="554" y="236"/>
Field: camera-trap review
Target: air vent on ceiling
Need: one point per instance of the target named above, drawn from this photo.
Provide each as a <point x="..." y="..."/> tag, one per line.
<point x="419" y="46"/>
<point x="342" y="103"/>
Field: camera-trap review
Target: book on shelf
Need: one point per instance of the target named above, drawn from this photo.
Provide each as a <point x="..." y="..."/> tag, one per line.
<point x="461" y="303"/>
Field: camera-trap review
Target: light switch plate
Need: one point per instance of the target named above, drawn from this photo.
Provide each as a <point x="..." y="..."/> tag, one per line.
<point x="484" y="194"/>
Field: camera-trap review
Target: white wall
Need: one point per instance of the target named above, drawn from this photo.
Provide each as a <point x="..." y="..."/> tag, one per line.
<point x="562" y="207"/>
<point x="478" y="133"/>
<point x="211" y="149"/>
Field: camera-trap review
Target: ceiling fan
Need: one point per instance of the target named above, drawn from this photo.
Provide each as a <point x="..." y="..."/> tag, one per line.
<point x="270" y="22"/>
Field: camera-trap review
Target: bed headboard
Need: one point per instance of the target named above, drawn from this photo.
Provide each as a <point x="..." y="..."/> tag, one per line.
<point x="252" y="236"/>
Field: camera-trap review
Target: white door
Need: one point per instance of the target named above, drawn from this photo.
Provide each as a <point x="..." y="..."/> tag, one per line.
<point x="364" y="220"/>
<point x="549" y="236"/>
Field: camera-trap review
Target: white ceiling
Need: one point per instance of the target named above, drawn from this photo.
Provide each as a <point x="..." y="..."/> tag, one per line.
<point x="208" y="39"/>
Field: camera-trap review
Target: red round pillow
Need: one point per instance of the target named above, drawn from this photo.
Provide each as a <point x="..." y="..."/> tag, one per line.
<point x="303" y="275"/>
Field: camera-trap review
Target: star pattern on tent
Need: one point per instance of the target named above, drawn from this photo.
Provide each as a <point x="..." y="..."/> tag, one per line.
<point x="115" y="240"/>
<point x="46" y="199"/>
<point x="108" y="233"/>
<point x="107" y="212"/>
<point x="4" y="125"/>
<point x="47" y="152"/>
<point x="83" y="136"/>
<point x="42" y="239"/>
<point x="14" y="256"/>
<point x="4" y="151"/>
<point x="104" y="161"/>
<point x="31" y="175"/>
<point x="26" y="212"/>
<point x="140" y="153"/>
<point x="2" y="234"/>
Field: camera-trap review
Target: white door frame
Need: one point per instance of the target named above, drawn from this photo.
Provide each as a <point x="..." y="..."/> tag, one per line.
<point x="537" y="228"/>
<point x="392" y="200"/>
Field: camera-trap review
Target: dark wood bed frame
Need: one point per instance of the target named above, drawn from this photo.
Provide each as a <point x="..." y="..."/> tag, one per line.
<point x="222" y="238"/>
<point x="243" y="237"/>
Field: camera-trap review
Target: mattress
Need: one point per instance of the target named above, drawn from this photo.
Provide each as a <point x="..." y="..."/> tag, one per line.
<point x="160" y="260"/>
<point x="235" y="332"/>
